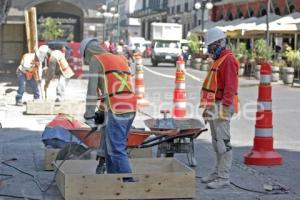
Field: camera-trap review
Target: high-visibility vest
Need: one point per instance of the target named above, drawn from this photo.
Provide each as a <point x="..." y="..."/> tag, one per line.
<point x="210" y="86"/>
<point x="29" y="66"/>
<point x="118" y="85"/>
<point x="63" y="65"/>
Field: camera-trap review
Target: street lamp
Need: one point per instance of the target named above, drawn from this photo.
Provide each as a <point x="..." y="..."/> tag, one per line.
<point x="107" y="15"/>
<point x="204" y="4"/>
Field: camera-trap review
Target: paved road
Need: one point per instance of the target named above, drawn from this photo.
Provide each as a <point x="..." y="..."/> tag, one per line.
<point x="21" y="137"/>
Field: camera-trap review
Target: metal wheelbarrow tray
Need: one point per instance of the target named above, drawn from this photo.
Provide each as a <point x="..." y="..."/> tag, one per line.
<point x="181" y="142"/>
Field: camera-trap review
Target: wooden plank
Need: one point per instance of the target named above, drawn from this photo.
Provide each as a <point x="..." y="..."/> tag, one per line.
<point x="31" y="29"/>
<point x="50" y="156"/>
<point x="140" y="153"/>
<point x="83" y="183"/>
<point x="47" y="107"/>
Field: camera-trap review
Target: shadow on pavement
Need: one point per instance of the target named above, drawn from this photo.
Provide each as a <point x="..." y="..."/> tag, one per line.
<point x="27" y="148"/>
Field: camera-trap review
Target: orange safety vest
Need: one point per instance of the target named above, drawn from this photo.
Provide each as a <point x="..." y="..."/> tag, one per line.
<point x="210" y="87"/>
<point x="63" y="65"/>
<point x="33" y="71"/>
<point x="118" y="84"/>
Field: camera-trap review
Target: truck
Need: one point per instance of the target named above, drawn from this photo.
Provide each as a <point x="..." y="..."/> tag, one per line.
<point x="165" y="42"/>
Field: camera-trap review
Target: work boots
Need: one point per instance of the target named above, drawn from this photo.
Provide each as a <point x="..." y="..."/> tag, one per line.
<point x="209" y="178"/>
<point x="101" y="168"/>
<point x="218" y="183"/>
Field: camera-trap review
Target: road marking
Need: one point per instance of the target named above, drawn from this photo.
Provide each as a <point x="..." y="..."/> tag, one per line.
<point x="169" y="76"/>
<point x="193" y="77"/>
<point x="159" y="74"/>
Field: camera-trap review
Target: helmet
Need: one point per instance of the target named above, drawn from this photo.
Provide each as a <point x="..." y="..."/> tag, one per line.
<point x="212" y="35"/>
<point x="41" y="52"/>
<point x="84" y="43"/>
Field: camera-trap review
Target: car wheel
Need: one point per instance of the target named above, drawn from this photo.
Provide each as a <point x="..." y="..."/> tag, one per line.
<point x="154" y="63"/>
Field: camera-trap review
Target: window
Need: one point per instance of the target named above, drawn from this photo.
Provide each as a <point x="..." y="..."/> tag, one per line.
<point x="292" y="8"/>
<point x="186" y="7"/>
<point x="277" y="11"/>
<point x="251" y="13"/>
<point x="240" y="14"/>
<point x="165" y="3"/>
<point x="263" y="12"/>
<point x="166" y="44"/>
<point x="178" y="10"/>
<point x="173" y="10"/>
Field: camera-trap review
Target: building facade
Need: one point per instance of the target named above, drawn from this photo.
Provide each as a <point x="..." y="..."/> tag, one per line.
<point x="148" y="11"/>
<point x="129" y="26"/>
<point x="230" y="10"/>
<point x="78" y="19"/>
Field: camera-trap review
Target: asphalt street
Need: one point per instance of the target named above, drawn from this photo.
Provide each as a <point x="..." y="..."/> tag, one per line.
<point x="21" y="134"/>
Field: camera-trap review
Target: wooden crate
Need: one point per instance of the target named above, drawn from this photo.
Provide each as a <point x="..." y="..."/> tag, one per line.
<point x="140" y="153"/>
<point x="50" y="155"/>
<point x="44" y="107"/>
<point x="159" y="178"/>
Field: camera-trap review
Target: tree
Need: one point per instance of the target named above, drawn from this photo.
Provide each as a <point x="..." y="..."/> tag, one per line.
<point x="193" y="44"/>
<point x="52" y="30"/>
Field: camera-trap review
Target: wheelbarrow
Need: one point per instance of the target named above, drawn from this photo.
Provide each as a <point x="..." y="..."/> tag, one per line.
<point x="90" y="140"/>
<point x="171" y="135"/>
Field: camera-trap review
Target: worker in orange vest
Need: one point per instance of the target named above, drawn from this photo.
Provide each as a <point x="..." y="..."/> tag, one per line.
<point x="219" y="100"/>
<point x="58" y="67"/>
<point x="110" y="75"/>
<point x="28" y="72"/>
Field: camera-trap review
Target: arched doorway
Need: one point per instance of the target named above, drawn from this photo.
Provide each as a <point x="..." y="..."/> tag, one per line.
<point x="69" y="15"/>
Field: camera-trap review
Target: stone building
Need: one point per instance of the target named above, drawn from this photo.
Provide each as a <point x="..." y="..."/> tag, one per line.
<point x="78" y="18"/>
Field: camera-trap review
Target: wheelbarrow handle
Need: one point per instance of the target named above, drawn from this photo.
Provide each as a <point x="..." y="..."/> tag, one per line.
<point x="201" y="131"/>
<point x="170" y="132"/>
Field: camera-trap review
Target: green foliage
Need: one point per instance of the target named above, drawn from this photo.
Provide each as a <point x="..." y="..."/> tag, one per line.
<point x="193" y="44"/>
<point x="279" y="63"/>
<point x="262" y="50"/>
<point x="52" y="30"/>
<point x="241" y="52"/>
<point x="293" y="57"/>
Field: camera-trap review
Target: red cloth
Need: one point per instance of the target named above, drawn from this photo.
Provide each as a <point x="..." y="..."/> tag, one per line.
<point x="227" y="79"/>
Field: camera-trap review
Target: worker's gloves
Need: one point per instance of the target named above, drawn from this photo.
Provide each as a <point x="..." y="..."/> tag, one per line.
<point x="90" y="121"/>
<point x="224" y="112"/>
<point x="207" y="115"/>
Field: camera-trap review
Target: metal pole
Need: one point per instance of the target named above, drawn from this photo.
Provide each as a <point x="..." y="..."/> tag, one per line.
<point x="202" y="23"/>
<point x="103" y="34"/>
<point x="267" y="23"/>
<point x="118" y="22"/>
<point x="202" y="16"/>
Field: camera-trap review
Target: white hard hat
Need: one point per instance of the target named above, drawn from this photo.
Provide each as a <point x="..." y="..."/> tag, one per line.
<point x="212" y="35"/>
<point x="41" y="53"/>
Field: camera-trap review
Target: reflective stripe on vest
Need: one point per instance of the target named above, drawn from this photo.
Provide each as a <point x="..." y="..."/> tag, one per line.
<point x="118" y="84"/>
<point x="210" y="88"/>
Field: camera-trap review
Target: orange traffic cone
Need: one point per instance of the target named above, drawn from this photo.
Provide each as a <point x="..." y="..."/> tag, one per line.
<point x="262" y="152"/>
<point x="139" y="81"/>
<point x="179" y="95"/>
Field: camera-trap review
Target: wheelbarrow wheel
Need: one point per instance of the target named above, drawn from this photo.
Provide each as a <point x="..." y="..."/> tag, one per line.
<point x="72" y="152"/>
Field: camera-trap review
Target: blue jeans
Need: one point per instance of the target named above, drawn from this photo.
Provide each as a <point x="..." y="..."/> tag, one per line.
<point x="116" y="132"/>
<point x="21" y="83"/>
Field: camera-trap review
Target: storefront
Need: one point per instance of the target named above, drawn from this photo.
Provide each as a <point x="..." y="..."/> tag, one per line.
<point x="78" y="20"/>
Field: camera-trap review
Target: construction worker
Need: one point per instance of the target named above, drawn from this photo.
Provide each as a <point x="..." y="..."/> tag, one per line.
<point x="219" y="100"/>
<point x="28" y="73"/>
<point x="59" y="67"/>
<point x="111" y="77"/>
